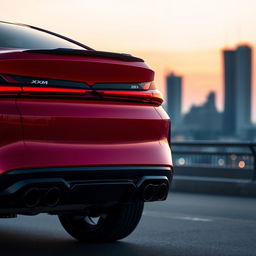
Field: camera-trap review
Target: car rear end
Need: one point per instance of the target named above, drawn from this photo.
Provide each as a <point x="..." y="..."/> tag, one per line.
<point x="91" y="133"/>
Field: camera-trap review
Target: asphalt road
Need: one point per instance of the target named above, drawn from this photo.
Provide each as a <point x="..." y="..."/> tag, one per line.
<point x="185" y="224"/>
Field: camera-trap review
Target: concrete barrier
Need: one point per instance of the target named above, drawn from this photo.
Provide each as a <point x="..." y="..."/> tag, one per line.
<point x="214" y="181"/>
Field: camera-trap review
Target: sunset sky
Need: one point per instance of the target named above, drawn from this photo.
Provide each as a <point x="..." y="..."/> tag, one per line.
<point x="184" y="36"/>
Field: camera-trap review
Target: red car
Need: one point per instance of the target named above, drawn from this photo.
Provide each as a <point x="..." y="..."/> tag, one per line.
<point x="83" y="134"/>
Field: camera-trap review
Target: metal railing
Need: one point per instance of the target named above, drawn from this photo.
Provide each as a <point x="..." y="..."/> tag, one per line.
<point x="240" y="155"/>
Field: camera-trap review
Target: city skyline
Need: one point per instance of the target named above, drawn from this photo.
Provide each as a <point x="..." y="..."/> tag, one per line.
<point x="204" y="121"/>
<point x="220" y="92"/>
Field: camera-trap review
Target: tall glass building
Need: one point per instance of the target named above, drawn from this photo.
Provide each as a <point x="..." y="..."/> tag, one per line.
<point x="174" y="94"/>
<point x="238" y="87"/>
<point x="243" y="88"/>
<point x="229" y="114"/>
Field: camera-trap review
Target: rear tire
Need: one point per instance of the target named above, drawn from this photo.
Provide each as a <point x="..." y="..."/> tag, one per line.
<point x="115" y="224"/>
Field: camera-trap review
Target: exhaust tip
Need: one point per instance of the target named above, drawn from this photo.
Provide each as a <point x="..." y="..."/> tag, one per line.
<point x="162" y="192"/>
<point x="149" y="192"/>
<point x="52" y="196"/>
<point x="31" y="197"/>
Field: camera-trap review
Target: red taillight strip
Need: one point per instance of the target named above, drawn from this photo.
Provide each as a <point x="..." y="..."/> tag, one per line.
<point x="151" y="96"/>
<point x="157" y="96"/>
<point x="52" y="90"/>
<point x="7" y="89"/>
<point x="140" y="94"/>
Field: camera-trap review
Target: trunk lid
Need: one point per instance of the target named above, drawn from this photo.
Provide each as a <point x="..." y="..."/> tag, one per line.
<point x="73" y="73"/>
<point x="89" y="67"/>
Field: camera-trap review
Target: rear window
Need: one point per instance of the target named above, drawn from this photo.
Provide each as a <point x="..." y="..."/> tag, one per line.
<point x="23" y="37"/>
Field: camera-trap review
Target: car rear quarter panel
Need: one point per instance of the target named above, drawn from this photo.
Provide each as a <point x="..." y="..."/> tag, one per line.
<point x="11" y="143"/>
<point x="74" y="133"/>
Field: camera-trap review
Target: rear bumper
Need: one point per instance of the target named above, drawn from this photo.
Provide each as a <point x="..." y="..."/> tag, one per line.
<point x="56" y="190"/>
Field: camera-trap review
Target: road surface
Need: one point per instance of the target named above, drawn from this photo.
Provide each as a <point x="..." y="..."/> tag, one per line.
<point x="185" y="224"/>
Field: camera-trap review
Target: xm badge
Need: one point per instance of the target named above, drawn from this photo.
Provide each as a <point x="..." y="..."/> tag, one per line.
<point x="39" y="82"/>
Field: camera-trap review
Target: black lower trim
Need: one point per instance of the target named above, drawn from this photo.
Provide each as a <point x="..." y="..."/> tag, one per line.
<point x="70" y="186"/>
<point x="84" y="173"/>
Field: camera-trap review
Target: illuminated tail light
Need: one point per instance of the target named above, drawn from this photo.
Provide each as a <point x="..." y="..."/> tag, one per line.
<point x="53" y="90"/>
<point x="151" y="96"/>
<point x="139" y="92"/>
<point x="9" y="89"/>
<point x="143" y="92"/>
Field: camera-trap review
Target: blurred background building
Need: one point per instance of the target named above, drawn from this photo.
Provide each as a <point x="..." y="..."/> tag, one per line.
<point x="174" y="100"/>
<point x="229" y="114"/>
<point x="243" y="89"/>
<point x="205" y="122"/>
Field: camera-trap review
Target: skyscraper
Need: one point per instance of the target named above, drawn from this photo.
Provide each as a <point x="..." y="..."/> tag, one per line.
<point x="243" y="88"/>
<point x="174" y="91"/>
<point x="237" y="80"/>
<point x="229" y="122"/>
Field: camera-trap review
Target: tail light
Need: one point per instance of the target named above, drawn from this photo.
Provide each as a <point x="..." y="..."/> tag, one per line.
<point x="9" y="89"/>
<point x="52" y="90"/>
<point x="6" y="88"/>
<point x="142" y="96"/>
<point x="139" y="92"/>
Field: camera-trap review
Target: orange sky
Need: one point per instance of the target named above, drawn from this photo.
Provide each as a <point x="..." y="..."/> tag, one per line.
<point x="184" y="36"/>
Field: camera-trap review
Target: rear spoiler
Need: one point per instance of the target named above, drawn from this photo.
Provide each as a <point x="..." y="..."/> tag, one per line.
<point x="90" y="53"/>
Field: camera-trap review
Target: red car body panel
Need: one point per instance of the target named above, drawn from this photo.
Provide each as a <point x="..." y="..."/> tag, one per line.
<point x="11" y="142"/>
<point x="73" y="133"/>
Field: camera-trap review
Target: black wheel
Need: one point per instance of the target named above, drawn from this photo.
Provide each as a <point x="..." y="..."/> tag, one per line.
<point x="116" y="223"/>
